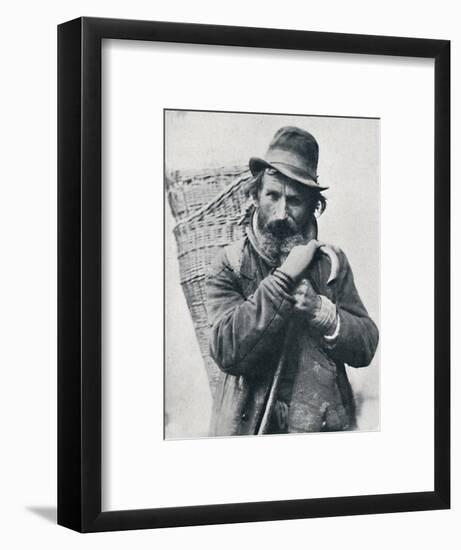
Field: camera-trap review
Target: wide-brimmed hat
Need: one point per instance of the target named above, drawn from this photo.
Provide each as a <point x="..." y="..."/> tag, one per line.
<point x="294" y="153"/>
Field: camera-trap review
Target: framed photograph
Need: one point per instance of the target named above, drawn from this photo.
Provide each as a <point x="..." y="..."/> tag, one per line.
<point x="254" y="274"/>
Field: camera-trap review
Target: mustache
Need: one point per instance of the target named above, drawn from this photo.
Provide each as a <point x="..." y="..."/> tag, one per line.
<point x="278" y="237"/>
<point x="282" y="229"/>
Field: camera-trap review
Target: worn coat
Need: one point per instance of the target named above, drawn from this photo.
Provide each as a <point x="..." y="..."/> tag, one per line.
<point x="250" y="312"/>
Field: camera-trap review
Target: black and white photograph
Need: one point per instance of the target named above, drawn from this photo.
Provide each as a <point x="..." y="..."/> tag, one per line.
<point x="272" y="273"/>
<point x="229" y="282"/>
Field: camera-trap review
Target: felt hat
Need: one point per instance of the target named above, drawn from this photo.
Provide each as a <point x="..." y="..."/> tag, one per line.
<point x="294" y="153"/>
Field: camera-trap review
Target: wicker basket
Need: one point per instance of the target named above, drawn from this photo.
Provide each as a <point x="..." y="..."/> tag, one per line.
<point x="207" y="207"/>
<point x="189" y="191"/>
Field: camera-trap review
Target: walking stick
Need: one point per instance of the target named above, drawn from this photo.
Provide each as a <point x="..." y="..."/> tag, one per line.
<point x="274" y="387"/>
<point x="328" y="251"/>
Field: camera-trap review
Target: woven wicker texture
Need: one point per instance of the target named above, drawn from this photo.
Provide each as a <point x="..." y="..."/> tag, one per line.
<point x="207" y="206"/>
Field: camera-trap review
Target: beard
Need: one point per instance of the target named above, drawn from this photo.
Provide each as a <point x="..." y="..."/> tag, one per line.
<point x="277" y="238"/>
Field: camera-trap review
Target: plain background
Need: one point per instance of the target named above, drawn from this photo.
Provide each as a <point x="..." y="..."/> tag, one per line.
<point x="348" y="164"/>
<point x="28" y="303"/>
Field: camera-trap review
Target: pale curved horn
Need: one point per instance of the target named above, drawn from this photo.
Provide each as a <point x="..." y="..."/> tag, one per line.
<point x="334" y="261"/>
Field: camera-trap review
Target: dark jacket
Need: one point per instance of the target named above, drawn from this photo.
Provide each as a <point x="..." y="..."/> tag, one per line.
<point x="250" y="312"/>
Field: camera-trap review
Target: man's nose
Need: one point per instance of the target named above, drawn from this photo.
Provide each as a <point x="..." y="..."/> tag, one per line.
<point x="281" y="211"/>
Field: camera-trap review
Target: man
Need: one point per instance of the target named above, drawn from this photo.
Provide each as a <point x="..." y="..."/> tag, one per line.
<point x="282" y="331"/>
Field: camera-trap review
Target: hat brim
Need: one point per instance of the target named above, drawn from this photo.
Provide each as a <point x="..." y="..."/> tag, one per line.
<point x="257" y="165"/>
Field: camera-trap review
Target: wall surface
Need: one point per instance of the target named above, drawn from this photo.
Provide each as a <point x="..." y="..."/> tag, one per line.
<point x="28" y="277"/>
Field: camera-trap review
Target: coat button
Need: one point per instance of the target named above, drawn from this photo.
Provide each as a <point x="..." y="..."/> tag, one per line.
<point x="244" y="416"/>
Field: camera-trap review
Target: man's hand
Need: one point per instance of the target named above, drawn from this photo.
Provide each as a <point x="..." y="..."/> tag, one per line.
<point x="299" y="259"/>
<point x="307" y="300"/>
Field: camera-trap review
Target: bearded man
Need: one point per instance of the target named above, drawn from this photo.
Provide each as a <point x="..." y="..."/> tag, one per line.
<point x="282" y="330"/>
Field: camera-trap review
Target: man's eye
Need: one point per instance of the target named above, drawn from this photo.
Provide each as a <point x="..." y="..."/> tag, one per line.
<point x="294" y="201"/>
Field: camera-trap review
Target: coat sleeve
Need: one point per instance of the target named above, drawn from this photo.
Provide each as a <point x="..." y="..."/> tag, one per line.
<point x="358" y="335"/>
<point x="244" y="331"/>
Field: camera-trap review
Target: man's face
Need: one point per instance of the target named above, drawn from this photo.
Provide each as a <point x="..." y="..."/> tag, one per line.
<point x="285" y="206"/>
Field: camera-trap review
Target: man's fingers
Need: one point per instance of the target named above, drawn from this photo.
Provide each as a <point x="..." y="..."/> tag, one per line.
<point x="314" y="245"/>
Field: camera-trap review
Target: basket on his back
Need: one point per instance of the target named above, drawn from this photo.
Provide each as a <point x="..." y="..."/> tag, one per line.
<point x="207" y="206"/>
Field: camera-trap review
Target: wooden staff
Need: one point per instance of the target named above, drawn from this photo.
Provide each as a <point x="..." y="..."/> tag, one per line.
<point x="328" y="251"/>
<point x="275" y="384"/>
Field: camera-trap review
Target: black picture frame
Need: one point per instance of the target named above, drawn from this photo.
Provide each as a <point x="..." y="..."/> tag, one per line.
<point x="79" y="274"/>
